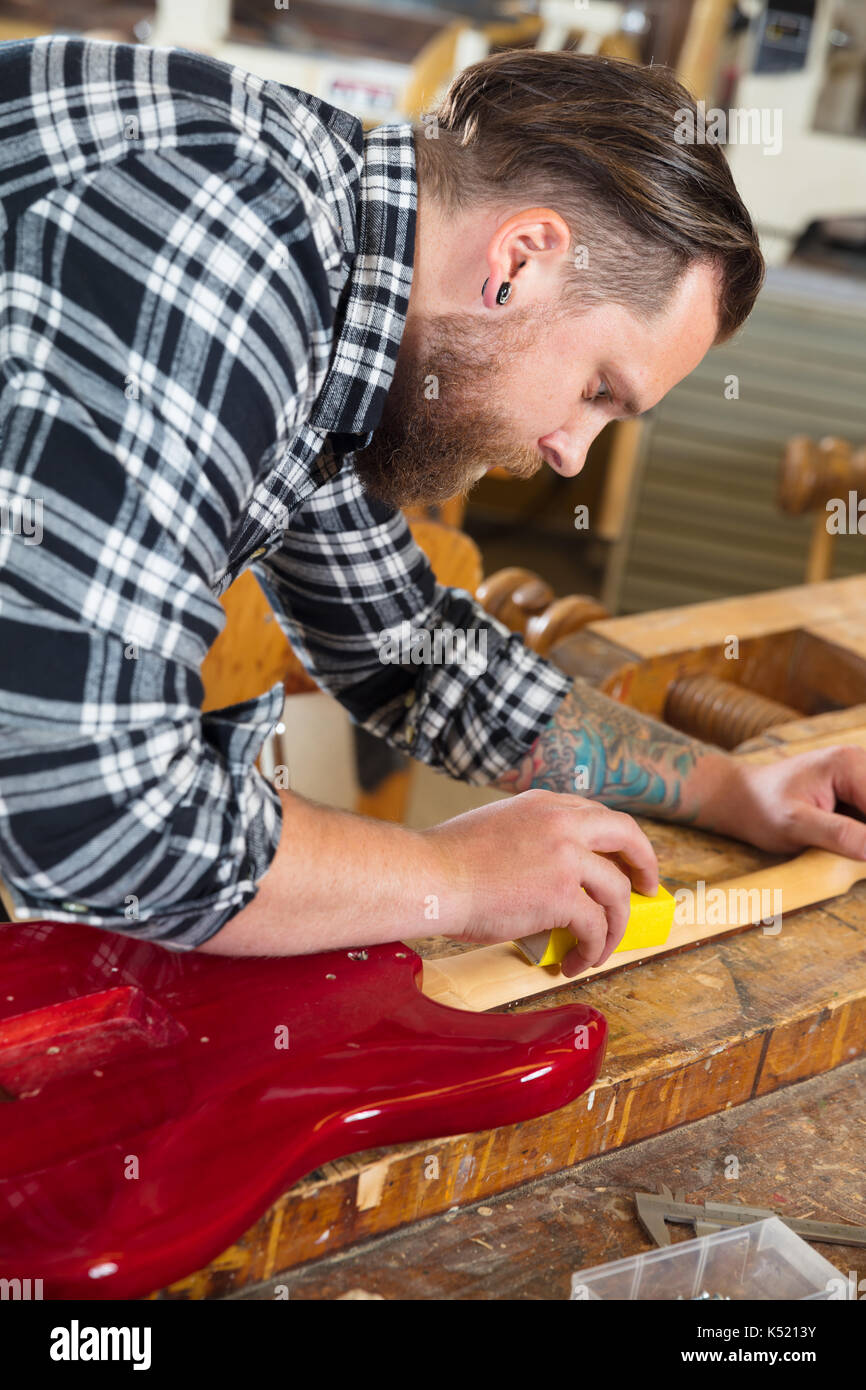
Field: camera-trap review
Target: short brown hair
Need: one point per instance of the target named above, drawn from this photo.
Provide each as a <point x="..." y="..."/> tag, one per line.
<point x="594" y="138"/>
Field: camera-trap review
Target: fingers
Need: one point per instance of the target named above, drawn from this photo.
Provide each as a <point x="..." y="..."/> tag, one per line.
<point x="599" y="921"/>
<point x="608" y="886"/>
<point x="544" y="860"/>
<point x="831" y="831"/>
<point x="615" y="832"/>
<point x="593" y="939"/>
<point x="848" y="768"/>
<point x="600" y="915"/>
<point x="640" y="882"/>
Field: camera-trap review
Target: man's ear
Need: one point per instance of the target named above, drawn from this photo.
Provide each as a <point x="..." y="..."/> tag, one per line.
<point x="524" y="250"/>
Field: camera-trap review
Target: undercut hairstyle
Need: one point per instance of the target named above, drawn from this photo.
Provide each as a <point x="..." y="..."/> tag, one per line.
<point x="595" y="139"/>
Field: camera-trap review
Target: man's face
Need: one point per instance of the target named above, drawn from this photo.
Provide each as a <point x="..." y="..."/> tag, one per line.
<point x="474" y="391"/>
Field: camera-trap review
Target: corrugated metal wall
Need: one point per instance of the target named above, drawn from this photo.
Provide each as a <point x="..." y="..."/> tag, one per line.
<point x="705" y="523"/>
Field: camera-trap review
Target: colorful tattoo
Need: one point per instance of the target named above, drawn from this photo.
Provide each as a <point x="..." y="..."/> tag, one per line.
<point x="601" y="749"/>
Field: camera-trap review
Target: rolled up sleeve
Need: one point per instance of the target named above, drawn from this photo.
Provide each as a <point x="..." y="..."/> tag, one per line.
<point x="421" y="665"/>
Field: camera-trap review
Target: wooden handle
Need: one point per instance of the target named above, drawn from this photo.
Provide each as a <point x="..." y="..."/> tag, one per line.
<point x="498" y="593"/>
<point x="526" y="604"/>
<point x="494" y="975"/>
<point x="561" y="619"/>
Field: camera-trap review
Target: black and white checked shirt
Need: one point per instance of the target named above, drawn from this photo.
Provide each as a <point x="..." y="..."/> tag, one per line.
<point x="205" y="278"/>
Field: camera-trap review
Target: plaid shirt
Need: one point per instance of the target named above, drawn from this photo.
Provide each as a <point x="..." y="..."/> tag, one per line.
<point x="204" y="284"/>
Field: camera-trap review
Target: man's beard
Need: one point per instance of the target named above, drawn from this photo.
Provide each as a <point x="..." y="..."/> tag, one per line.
<point x="442" y="426"/>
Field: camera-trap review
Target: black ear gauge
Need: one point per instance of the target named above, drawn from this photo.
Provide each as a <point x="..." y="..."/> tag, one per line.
<point x="503" y="294"/>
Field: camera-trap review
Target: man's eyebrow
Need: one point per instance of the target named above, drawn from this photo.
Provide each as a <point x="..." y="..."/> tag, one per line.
<point x="625" y="398"/>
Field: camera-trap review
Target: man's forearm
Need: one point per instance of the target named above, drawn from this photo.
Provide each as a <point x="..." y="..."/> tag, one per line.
<point x="340" y="880"/>
<point x="604" y="750"/>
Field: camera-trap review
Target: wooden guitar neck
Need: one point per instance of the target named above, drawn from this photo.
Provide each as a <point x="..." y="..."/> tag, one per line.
<point x="494" y="975"/>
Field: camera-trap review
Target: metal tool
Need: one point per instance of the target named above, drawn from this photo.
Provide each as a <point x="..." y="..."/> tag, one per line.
<point x="655" y="1210"/>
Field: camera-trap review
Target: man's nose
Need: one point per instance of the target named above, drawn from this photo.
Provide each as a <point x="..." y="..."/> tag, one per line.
<point x="565" y="454"/>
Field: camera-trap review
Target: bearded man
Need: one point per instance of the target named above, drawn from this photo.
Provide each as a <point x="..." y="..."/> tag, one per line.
<point x="236" y="330"/>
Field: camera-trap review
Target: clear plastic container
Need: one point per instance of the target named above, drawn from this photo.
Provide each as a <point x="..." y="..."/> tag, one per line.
<point x="764" y="1260"/>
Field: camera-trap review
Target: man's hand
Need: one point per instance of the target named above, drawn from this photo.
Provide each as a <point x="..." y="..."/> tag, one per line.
<point x="521" y="866"/>
<point x="538" y="860"/>
<point x="636" y="764"/>
<point x="505" y="870"/>
<point x="789" y="805"/>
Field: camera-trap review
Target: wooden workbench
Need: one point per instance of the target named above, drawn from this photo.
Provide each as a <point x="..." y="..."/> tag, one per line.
<point x="691" y="1035"/>
<point x="798" y="1152"/>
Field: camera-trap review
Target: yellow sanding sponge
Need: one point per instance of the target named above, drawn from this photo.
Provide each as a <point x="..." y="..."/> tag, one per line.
<point x="649" y="924"/>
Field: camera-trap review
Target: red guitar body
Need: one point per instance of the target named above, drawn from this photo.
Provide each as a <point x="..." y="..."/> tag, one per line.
<point x="154" y="1103"/>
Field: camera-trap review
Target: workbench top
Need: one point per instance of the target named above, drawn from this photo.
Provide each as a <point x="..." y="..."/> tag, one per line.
<point x="798" y="1152"/>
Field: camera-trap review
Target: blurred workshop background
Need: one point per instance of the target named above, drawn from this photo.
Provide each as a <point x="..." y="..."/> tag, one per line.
<point x="718" y="491"/>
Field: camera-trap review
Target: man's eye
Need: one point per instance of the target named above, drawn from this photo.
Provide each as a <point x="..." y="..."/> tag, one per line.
<point x="603" y="393"/>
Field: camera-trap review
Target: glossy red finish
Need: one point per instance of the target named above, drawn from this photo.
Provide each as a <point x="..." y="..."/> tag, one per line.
<point x="118" y="1057"/>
